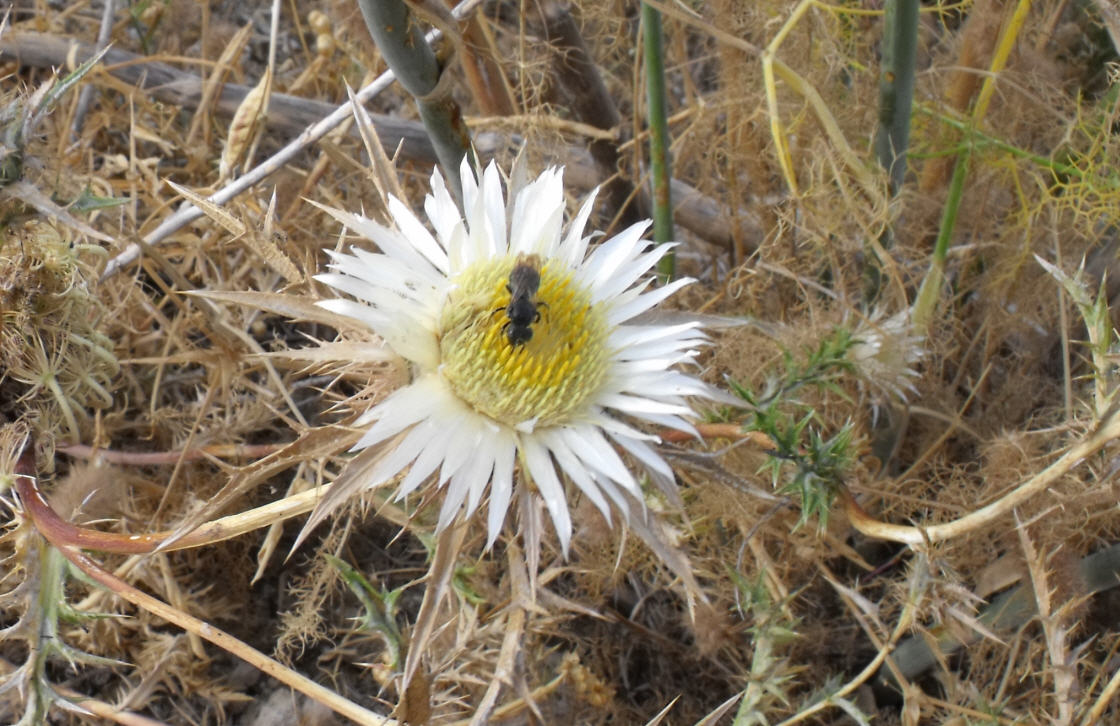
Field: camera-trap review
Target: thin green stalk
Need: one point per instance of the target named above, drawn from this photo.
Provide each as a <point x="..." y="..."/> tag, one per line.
<point x="402" y="44"/>
<point x="930" y="291"/>
<point x="981" y="140"/>
<point x="658" y="110"/>
<point x="896" y="88"/>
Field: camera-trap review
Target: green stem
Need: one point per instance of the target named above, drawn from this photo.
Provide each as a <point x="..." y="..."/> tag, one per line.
<point x="896" y="101"/>
<point x="658" y="136"/>
<point x="980" y="140"/>
<point x="402" y="44"/>
<point x="930" y="291"/>
<point x="896" y="88"/>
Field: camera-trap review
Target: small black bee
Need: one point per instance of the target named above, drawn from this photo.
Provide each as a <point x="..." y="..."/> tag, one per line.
<point x="524" y="281"/>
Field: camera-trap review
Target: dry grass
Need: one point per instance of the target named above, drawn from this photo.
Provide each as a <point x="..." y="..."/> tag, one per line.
<point x="800" y="614"/>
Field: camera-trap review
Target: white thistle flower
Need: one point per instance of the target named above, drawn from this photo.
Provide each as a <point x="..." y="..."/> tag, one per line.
<point x="479" y="400"/>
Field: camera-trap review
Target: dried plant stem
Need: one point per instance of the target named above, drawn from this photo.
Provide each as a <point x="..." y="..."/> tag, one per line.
<point x="708" y="431"/>
<point x="447" y="548"/>
<point x="153" y="458"/>
<point x="53" y="528"/>
<point x="592" y="104"/>
<point x="657" y="111"/>
<point x="190" y="212"/>
<point x="852" y="161"/>
<point x="696" y="212"/>
<point x="1056" y="627"/>
<point x="207" y="533"/>
<point x="515" y="632"/>
<point x="1007" y="42"/>
<point x="1102" y="703"/>
<point x="107" y="711"/>
<point x="86" y="95"/>
<point x="772" y="68"/>
<point x="508" y="710"/>
<point x="488" y="82"/>
<point x="980" y="518"/>
<point x="1108" y="430"/>
<point x="1096" y="572"/>
<point x="225" y="641"/>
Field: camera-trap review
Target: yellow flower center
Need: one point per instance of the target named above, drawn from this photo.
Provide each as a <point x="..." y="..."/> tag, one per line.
<point x="543" y="380"/>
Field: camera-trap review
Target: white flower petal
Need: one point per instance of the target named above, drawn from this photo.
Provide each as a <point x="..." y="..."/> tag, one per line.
<point x="614" y="427"/>
<point x="637" y="405"/>
<point x="604" y="261"/>
<point x="659" y="469"/>
<point x="417" y="234"/>
<point x="588" y="443"/>
<point x="442" y="211"/>
<point x="575" y="470"/>
<point x="669" y="422"/>
<point x="481" y="468"/>
<point x="633" y="335"/>
<point x="538" y="214"/>
<point x="431" y="456"/>
<point x="390" y="241"/>
<point x="501" y="485"/>
<point x="621" y="313"/>
<point x="572" y="250"/>
<point x="493" y="206"/>
<point x="402" y="409"/>
<point x="416" y="440"/>
<point x="475" y="473"/>
<point x="412" y="342"/>
<point x="468" y="183"/>
<point x="626" y="275"/>
<point x="540" y="467"/>
<point x="461" y="442"/>
<point x="386" y="300"/>
<point x="385" y="271"/>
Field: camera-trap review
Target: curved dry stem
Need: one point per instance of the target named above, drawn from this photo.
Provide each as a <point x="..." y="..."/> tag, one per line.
<point x="209" y="533"/>
<point x="771" y="65"/>
<point x="865" y="523"/>
<point x="54" y="528"/>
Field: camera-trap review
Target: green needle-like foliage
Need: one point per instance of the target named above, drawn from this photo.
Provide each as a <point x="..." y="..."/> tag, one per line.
<point x="804" y="462"/>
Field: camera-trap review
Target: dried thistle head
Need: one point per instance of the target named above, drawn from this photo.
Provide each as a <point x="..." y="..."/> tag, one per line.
<point x="54" y="361"/>
<point x="885" y="351"/>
